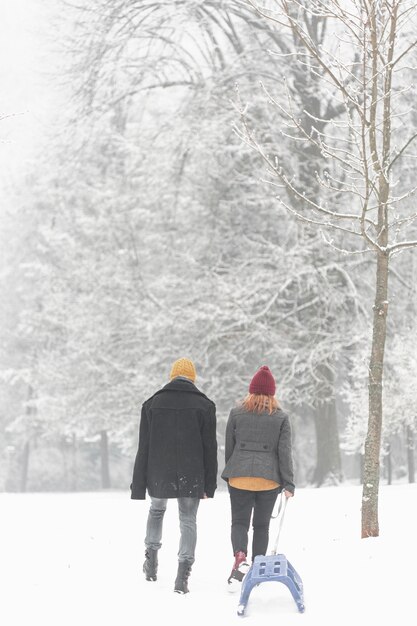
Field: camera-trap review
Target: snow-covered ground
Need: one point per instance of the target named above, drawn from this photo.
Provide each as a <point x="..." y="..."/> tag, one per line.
<point x="76" y="559"/>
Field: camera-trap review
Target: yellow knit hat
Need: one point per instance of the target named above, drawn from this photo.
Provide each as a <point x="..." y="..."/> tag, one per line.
<point x="183" y="367"/>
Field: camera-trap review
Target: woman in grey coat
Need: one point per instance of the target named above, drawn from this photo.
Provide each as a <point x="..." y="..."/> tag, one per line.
<point x="258" y="467"/>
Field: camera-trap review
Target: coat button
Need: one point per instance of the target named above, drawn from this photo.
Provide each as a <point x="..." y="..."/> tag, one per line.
<point x="243" y="445"/>
<point x="265" y="447"/>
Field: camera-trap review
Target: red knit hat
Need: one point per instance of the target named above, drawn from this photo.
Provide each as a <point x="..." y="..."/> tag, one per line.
<point x="263" y="382"/>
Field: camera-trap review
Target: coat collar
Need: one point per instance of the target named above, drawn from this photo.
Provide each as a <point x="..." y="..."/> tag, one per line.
<point x="182" y="384"/>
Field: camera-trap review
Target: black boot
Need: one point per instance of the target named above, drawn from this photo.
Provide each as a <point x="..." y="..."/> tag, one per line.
<point x="150" y="566"/>
<point x="181" y="581"/>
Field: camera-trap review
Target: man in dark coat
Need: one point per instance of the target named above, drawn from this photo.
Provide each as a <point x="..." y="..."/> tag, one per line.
<point x="176" y="458"/>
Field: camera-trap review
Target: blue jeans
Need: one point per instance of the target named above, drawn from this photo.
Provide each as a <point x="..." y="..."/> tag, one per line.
<point x="187" y="510"/>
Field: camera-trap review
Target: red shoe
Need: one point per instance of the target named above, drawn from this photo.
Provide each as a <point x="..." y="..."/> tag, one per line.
<point x="240" y="567"/>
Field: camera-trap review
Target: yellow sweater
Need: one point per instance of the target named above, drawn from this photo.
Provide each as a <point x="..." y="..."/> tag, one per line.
<point x="252" y="483"/>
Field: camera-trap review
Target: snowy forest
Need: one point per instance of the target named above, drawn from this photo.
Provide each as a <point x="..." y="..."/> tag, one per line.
<point x="230" y="181"/>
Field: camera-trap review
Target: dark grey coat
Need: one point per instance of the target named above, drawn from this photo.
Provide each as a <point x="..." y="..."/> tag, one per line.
<point x="259" y="445"/>
<point x="177" y="453"/>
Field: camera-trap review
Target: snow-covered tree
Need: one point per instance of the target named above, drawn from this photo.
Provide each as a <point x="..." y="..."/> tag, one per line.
<point x="364" y="63"/>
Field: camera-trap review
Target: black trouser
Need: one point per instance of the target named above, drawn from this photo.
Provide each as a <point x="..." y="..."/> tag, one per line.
<point x="243" y="503"/>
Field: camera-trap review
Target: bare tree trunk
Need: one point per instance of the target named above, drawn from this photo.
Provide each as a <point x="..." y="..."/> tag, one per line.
<point x="389" y="464"/>
<point x="410" y="454"/>
<point x="30" y="411"/>
<point x="313" y="120"/>
<point x="74" y="466"/>
<point x="328" y="466"/>
<point x="25" y="467"/>
<point x="64" y="452"/>
<point x="370" y="524"/>
<point x="104" y="456"/>
<point x="361" y="467"/>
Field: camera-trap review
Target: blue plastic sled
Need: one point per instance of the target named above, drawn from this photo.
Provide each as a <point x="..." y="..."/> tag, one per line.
<point x="274" y="567"/>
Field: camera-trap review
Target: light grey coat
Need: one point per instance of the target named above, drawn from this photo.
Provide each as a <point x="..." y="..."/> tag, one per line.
<point x="259" y="445"/>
